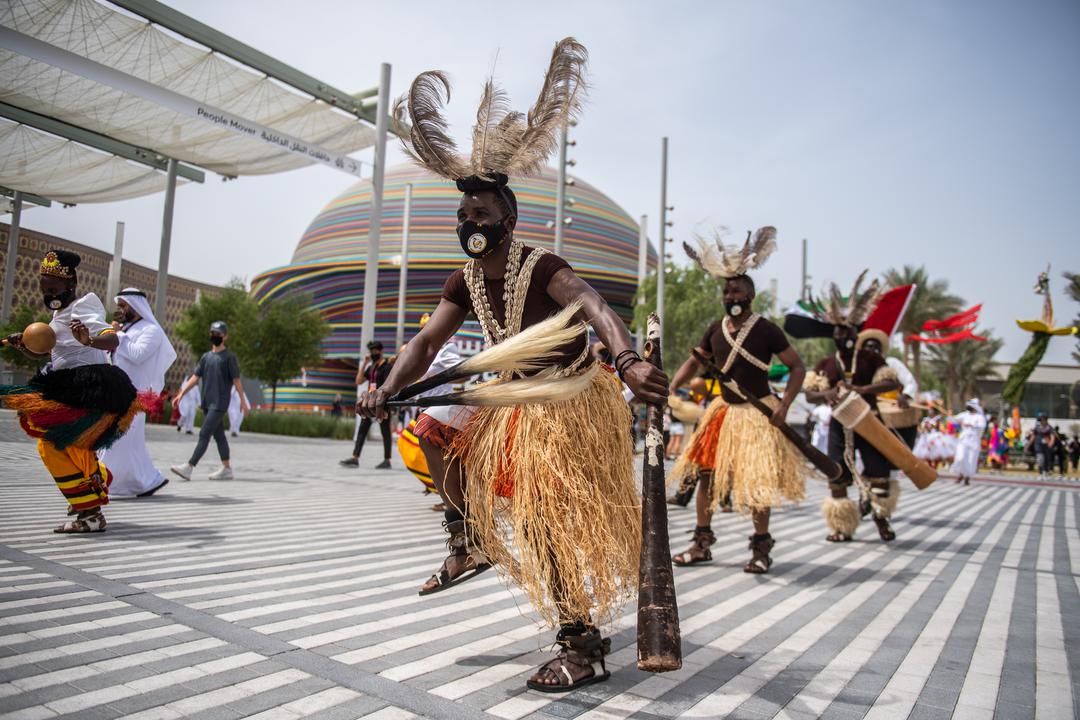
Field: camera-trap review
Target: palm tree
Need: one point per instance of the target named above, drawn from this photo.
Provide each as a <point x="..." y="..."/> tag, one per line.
<point x="961" y="365"/>
<point x="931" y="301"/>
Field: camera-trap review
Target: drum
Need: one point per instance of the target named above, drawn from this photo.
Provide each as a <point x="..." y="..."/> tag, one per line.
<point x="895" y="416"/>
<point x="854" y="413"/>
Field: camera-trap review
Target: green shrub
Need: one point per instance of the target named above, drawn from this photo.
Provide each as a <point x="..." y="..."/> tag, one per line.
<point x="299" y="425"/>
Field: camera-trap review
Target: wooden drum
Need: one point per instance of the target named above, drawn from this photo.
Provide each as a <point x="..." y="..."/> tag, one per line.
<point x="854" y="413"/>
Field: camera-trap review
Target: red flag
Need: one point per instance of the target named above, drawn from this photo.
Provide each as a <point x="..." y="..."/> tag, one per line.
<point x="954" y="322"/>
<point x="966" y="334"/>
<point x="890" y="309"/>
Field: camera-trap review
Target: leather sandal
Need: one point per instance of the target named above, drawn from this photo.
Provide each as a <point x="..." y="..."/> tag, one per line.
<point x="93" y="522"/>
<point x="458" y="545"/>
<point x="884" y="528"/>
<point x="698" y="552"/>
<point x="760" y="547"/>
<point x="578" y="652"/>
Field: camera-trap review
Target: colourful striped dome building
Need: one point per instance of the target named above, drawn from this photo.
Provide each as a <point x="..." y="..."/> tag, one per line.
<point x="601" y="244"/>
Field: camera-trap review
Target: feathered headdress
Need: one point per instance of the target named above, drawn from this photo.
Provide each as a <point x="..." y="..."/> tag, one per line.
<point x="506" y="143"/>
<point x="728" y="261"/>
<point x="835" y="309"/>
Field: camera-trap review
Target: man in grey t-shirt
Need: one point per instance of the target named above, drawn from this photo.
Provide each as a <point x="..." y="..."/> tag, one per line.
<point x="219" y="372"/>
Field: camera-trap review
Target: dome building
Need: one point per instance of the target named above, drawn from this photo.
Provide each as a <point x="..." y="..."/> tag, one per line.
<point x="601" y="244"/>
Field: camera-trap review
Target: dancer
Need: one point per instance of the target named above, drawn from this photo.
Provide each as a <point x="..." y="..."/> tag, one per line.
<point x="145" y="354"/>
<point x="864" y="372"/>
<point x="77" y="404"/>
<point x="735" y="449"/>
<point x="547" y="493"/>
<point x="219" y="372"/>
<point x="972" y="422"/>
<point x="420" y="464"/>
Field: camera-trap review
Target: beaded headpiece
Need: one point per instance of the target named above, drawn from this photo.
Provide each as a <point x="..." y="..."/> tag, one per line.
<point x="59" y="263"/>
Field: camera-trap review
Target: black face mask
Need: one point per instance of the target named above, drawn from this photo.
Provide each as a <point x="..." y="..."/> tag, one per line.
<point x="58" y="302"/>
<point x="216" y="340"/>
<point x="478" y="240"/>
<point x="736" y="308"/>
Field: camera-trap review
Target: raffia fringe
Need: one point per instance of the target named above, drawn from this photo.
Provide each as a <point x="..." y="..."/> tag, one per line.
<point x="573" y="509"/>
<point x="841" y="515"/>
<point x="702" y="442"/>
<point x="757" y="465"/>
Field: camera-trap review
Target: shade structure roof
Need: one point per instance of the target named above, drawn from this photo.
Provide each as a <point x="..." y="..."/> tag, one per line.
<point x="133" y="53"/>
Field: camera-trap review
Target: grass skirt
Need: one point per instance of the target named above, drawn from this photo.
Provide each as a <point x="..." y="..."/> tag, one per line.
<point x="551" y="492"/>
<point x="755" y="462"/>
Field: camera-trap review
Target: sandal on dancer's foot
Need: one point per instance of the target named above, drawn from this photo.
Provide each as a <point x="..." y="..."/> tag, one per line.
<point x="466" y="565"/>
<point x="698" y="553"/>
<point x="760" y="562"/>
<point x="884" y="529"/>
<point x="580" y="662"/>
<point x="838" y="537"/>
<point x="86" y="523"/>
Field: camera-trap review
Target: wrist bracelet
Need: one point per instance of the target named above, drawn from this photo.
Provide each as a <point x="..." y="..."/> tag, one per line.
<point x="620" y="369"/>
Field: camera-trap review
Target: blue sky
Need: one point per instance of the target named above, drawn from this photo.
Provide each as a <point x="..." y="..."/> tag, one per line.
<point x="935" y="133"/>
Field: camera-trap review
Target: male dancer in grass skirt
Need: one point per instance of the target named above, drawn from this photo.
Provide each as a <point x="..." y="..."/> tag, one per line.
<point x="857" y="369"/>
<point x="736" y="451"/>
<point x="547" y="493"/>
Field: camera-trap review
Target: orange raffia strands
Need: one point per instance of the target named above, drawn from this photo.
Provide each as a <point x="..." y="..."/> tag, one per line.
<point x="703" y="451"/>
<point x="504" y="481"/>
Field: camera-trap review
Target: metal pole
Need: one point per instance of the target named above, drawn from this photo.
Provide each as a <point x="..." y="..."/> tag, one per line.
<point x="115" y="266"/>
<point x="560" y="193"/>
<point x="10" y="262"/>
<point x="371" y="269"/>
<point x="166" y="240"/>
<point x="661" y="271"/>
<point x="642" y="270"/>
<point x="403" y="275"/>
<point x="802" y="288"/>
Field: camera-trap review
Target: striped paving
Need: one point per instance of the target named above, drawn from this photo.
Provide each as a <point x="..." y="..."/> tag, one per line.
<point x="291" y="592"/>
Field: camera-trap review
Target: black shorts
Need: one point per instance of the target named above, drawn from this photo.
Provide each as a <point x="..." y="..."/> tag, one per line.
<point x="875" y="465"/>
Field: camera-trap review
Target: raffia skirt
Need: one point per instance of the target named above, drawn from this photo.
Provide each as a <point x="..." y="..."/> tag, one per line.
<point x="752" y="461"/>
<point x="552" y="500"/>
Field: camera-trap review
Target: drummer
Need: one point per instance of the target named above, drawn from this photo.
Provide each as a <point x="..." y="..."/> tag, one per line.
<point x="862" y="371"/>
<point x="906" y="423"/>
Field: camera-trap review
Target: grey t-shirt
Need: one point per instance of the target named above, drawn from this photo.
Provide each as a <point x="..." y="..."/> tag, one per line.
<point x="217" y="371"/>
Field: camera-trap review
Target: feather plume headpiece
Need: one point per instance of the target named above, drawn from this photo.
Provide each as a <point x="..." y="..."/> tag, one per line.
<point x="505" y="143"/>
<point x="729" y="261"/>
<point x="835" y="309"/>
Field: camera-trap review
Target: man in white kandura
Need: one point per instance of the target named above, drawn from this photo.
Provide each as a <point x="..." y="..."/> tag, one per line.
<point x="189" y="405"/>
<point x="236" y="412"/>
<point x="145" y="354"/>
<point x="972" y="423"/>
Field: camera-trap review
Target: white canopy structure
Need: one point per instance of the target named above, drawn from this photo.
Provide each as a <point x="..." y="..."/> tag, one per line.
<point x="108" y="101"/>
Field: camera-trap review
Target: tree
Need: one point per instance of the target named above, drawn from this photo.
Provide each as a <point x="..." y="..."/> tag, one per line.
<point x="961" y="365"/>
<point x="1073" y="291"/>
<point x="233" y="306"/>
<point x="930" y="301"/>
<point x="23" y="316"/>
<point x="692" y="299"/>
<point x="287" y="337"/>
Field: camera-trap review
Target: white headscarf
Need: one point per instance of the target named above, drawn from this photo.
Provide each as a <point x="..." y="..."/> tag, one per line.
<point x="166" y="355"/>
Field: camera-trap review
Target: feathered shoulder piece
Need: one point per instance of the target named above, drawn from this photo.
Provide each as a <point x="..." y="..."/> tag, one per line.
<point x="505" y="143"/>
<point x="728" y="261"/>
<point x="835" y="309"/>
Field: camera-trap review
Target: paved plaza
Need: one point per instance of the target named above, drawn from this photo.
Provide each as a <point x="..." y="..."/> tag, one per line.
<point x="291" y="592"/>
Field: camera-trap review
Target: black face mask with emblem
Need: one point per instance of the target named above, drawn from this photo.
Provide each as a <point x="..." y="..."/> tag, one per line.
<point x="478" y="240"/>
<point x="736" y="308"/>
<point x="61" y="301"/>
